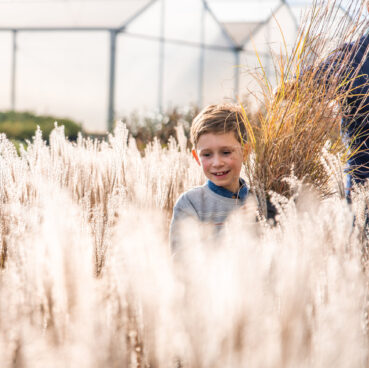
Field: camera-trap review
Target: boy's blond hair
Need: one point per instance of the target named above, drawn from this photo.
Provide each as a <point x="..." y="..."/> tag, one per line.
<point x="217" y="119"/>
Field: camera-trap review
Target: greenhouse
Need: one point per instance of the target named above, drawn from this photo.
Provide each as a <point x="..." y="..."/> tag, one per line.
<point x="98" y="60"/>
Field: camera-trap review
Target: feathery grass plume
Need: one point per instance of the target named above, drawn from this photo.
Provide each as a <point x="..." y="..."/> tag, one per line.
<point x="293" y="295"/>
<point x="314" y="84"/>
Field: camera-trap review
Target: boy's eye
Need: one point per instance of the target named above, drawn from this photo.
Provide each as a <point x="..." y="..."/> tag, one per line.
<point x="226" y="152"/>
<point x="205" y="154"/>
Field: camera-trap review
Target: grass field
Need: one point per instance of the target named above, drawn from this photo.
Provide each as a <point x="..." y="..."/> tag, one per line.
<point x="87" y="278"/>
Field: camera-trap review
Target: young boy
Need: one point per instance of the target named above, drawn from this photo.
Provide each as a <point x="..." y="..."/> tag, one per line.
<point x="219" y="138"/>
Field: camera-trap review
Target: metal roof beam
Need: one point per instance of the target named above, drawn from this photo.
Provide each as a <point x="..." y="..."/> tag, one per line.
<point x="185" y="43"/>
<point x="262" y="24"/>
<point x="224" y="31"/>
<point x="81" y="29"/>
<point x="135" y="16"/>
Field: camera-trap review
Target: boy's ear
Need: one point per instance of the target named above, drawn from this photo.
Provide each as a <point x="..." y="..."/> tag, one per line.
<point x="246" y="150"/>
<point x="196" y="157"/>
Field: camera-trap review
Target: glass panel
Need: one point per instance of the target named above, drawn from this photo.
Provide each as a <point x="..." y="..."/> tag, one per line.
<point x="181" y="77"/>
<point x="61" y="13"/>
<point x="219" y="75"/>
<point x="64" y="74"/>
<point x="302" y="3"/>
<point x="214" y="34"/>
<point x="148" y="23"/>
<point x="243" y="11"/>
<point x="240" y="31"/>
<point x="6" y="46"/>
<point x="137" y="75"/>
<point x="270" y="37"/>
<point x="183" y="19"/>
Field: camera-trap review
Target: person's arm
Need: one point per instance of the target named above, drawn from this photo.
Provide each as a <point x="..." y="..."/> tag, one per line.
<point x="182" y="210"/>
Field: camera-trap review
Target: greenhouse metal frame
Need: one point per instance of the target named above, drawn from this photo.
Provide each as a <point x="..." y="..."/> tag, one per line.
<point x="235" y="47"/>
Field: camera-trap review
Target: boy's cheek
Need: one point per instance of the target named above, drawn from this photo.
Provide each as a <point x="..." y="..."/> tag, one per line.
<point x="204" y="161"/>
<point x="205" y="166"/>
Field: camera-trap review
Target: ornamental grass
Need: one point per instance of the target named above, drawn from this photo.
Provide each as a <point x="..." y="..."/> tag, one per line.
<point x="301" y="115"/>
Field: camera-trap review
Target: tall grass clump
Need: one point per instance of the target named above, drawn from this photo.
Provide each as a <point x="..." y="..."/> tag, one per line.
<point x="302" y="114"/>
<point x="87" y="278"/>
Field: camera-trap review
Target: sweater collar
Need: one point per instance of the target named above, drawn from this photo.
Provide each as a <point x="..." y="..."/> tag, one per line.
<point x="241" y="194"/>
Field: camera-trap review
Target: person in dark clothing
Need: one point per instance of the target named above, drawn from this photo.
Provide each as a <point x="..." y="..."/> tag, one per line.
<point x="355" y="108"/>
<point x="346" y="71"/>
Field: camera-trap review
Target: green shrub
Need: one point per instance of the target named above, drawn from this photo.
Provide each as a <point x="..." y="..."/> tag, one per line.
<point x="22" y="125"/>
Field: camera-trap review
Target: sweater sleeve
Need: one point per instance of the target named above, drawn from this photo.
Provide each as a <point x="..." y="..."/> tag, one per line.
<point x="182" y="210"/>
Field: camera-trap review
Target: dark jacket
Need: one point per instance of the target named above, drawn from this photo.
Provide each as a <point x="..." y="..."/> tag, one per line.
<point x="355" y="121"/>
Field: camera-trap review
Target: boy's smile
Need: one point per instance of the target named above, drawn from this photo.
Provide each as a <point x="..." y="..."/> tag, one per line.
<point x="221" y="159"/>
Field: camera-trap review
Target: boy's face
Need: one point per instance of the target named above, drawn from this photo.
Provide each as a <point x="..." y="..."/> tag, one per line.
<point x="221" y="157"/>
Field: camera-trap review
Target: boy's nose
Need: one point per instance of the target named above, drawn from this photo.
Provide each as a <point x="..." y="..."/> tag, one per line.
<point x="217" y="161"/>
